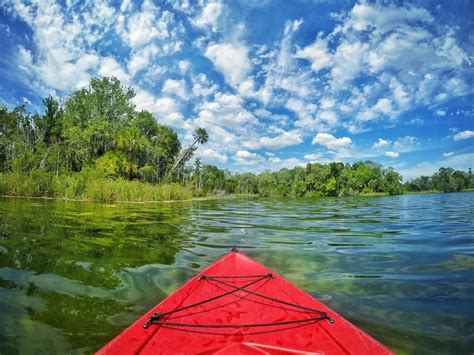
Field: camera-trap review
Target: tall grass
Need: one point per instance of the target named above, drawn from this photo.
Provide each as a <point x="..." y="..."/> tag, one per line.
<point x="82" y="186"/>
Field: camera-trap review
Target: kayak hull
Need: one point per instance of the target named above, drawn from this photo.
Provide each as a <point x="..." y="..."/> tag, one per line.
<point x="271" y="325"/>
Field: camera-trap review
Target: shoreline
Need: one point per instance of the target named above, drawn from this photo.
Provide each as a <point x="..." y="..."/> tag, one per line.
<point x="66" y="199"/>
<point x="216" y="197"/>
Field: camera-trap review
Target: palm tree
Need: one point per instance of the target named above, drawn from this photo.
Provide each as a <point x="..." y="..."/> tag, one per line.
<point x="200" y="136"/>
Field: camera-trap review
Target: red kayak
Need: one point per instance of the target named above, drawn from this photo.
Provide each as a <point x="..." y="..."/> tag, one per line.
<point x="238" y="306"/>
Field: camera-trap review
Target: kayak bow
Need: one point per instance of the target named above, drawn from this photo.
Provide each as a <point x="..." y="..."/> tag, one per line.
<point x="238" y="306"/>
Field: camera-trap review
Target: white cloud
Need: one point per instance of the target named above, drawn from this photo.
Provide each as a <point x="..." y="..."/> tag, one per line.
<point x="331" y="142"/>
<point x="463" y="135"/>
<point x="328" y="118"/>
<point x="263" y="113"/>
<point x="209" y="15"/>
<point x="184" y="66"/>
<point x="406" y="144"/>
<point x="231" y="59"/>
<point x="392" y="154"/>
<point x="284" y="76"/>
<point x="175" y="87"/>
<point x="382" y="107"/>
<point x="166" y="105"/>
<point x="202" y="87"/>
<point x="404" y="61"/>
<point x="212" y="155"/>
<point x="306" y="112"/>
<point x="144" y="26"/>
<point x="167" y="110"/>
<point x="110" y="67"/>
<point x="317" y="53"/>
<point x="245" y="157"/>
<point x="381" y="143"/>
<point x="382" y="19"/>
<point x="285" y="139"/>
<point x="313" y="157"/>
<point x="225" y="109"/>
<point x="448" y="154"/>
<point x="142" y="58"/>
<point x="440" y="112"/>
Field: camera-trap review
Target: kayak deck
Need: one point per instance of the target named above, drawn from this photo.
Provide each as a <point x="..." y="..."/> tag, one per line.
<point x="238" y="306"/>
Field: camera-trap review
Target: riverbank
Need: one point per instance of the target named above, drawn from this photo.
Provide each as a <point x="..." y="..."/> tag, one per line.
<point x="81" y="188"/>
<point x="85" y="188"/>
<point x="93" y="188"/>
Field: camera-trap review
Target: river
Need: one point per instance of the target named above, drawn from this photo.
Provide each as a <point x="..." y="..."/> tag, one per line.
<point x="74" y="274"/>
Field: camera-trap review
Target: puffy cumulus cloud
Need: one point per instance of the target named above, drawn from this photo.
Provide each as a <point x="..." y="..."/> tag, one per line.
<point x="327" y="118"/>
<point x="142" y="58"/>
<point x="231" y="59"/>
<point x="209" y="154"/>
<point x="463" y="135"/>
<point x="184" y="66"/>
<point x="166" y="109"/>
<point x="381" y="143"/>
<point x="245" y="157"/>
<point x="313" y="157"/>
<point x="232" y="127"/>
<point x="110" y="67"/>
<point x="331" y="142"/>
<point x="143" y="27"/>
<point x="202" y="87"/>
<point x="403" y="61"/>
<point x="317" y="53"/>
<point x="175" y="87"/>
<point x="382" y="19"/>
<point x="209" y="15"/>
<point x="225" y="109"/>
<point x="383" y="107"/>
<point x="392" y="154"/>
<point x="61" y="60"/>
<point x="284" y="139"/>
<point x="305" y="111"/>
<point x="72" y="41"/>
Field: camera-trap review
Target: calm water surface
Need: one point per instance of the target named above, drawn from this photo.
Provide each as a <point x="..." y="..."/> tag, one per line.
<point x="73" y="275"/>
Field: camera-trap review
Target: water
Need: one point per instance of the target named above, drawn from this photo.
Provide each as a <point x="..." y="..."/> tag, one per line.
<point x="73" y="275"/>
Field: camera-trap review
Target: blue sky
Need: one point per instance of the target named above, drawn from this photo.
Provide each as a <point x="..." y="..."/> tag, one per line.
<point x="275" y="83"/>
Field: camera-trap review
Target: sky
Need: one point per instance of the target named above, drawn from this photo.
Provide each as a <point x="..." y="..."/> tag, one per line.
<point x="275" y="83"/>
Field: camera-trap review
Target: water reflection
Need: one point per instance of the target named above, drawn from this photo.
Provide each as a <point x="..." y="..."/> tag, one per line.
<point x="73" y="275"/>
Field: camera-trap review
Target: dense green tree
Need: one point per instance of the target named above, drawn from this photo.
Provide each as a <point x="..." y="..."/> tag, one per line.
<point x="98" y="126"/>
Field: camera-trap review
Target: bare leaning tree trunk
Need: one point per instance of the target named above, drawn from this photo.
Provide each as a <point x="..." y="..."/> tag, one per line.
<point x="200" y="136"/>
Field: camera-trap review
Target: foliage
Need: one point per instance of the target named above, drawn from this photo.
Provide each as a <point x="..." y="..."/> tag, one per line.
<point x="98" y="127"/>
<point x="444" y="180"/>
<point x="88" y="185"/>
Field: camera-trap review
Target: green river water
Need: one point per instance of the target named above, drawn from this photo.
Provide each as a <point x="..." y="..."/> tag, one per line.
<point x="74" y="274"/>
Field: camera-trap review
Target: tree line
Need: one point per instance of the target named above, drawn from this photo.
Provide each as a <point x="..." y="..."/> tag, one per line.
<point x="97" y="135"/>
<point x="314" y="180"/>
<point x="444" y="180"/>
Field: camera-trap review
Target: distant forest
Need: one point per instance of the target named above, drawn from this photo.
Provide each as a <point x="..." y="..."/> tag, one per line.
<point x="96" y="145"/>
